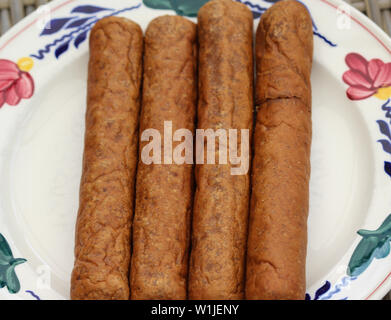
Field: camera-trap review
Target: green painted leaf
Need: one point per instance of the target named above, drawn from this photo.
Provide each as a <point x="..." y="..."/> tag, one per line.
<point x="383" y="251"/>
<point x="15" y="262"/>
<point x="158" y="4"/>
<point x="187" y="8"/>
<point x="3" y="271"/>
<point x="383" y="230"/>
<point x="12" y="281"/>
<point x="5" y="251"/>
<point x="365" y="252"/>
<point x="374" y="245"/>
<point x="361" y="256"/>
<point x="8" y="263"/>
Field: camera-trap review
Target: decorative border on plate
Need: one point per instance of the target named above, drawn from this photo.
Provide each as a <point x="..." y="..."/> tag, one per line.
<point x="366" y="79"/>
<point x="79" y="26"/>
<point x="22" y="87"/>
<point x="381" y="95"/>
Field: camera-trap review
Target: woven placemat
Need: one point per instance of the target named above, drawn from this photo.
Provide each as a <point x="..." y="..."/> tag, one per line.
<point x="11" y="11"/>
<point x="378" y="10"/>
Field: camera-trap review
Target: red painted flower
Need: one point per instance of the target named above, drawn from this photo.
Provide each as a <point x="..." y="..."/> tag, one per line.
<point x="366" y="78"/>
<point x="15" y="83"/>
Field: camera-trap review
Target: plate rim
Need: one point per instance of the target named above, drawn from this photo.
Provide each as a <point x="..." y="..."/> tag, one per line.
<point x="367" y="24"/>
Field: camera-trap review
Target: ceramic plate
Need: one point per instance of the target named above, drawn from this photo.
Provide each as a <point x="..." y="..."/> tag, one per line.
<point x="43" y="71"/>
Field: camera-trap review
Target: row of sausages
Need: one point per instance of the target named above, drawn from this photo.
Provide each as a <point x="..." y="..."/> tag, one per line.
<point x="187" y="231"/>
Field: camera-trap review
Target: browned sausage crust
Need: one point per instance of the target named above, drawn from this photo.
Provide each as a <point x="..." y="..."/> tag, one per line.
<point x="164" y="192"/>
<point x="222" y="200"/>
<point x="102" y="248"/>
<point x="281" y="165"/>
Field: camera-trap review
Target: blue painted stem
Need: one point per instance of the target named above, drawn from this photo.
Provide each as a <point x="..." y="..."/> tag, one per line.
<point x="324" y="39"/>
<point x="386" y="107"/>
<point x="33" y="294"/>
<point x="70" y="36"/>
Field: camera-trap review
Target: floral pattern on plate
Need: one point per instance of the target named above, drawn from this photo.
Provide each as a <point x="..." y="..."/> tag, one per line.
<point x="15" y="81"/>
<point x="8" y="263"/>
<point x="367" y="78"/>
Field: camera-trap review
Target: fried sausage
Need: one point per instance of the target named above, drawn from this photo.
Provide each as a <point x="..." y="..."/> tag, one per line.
<point x="164" y="192"/>
<point x="221" y="202"/>
<point x="277" y="239"/>
<point x="102" y="246"/>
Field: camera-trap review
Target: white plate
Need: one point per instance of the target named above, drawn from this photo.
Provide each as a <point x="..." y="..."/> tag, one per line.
<point x="41" y="144"/>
